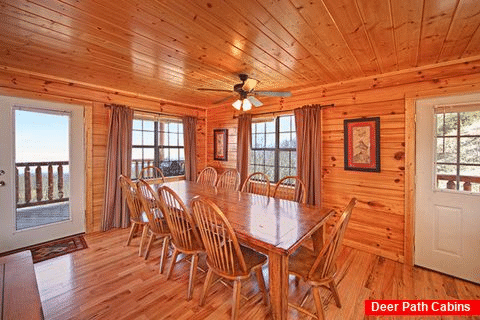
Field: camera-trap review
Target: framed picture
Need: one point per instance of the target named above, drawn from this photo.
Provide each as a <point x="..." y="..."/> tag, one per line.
<point x="220" y="144"/>
<point x="362" y="144"/>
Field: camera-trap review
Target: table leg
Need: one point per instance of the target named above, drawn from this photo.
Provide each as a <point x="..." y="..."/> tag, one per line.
<point x="278" y="282"/>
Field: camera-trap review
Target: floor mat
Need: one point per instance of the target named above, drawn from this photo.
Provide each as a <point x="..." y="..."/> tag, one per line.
<point x="55" y="248"/>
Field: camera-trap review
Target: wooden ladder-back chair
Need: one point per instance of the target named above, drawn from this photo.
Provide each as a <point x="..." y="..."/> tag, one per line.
<point x="319" y="269"/>
<point x="138" y="217"/>
<point x="152" y="173"/>
<point x="229" y="180"/>
<point x="257" y="183"/>
<point x="185" y="236"/>
<point x="208" y="176"/>
<point x="157" y="225"/>
<point x="291" y="188"/>
<point x="225" y="256"/>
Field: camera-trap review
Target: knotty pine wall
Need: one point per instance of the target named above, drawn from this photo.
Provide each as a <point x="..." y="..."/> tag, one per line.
<point x="382" y="222"/>
<point x="21" y="83"/>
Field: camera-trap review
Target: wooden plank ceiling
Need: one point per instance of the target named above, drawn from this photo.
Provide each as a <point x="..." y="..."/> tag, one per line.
<point x="169" y="48"/>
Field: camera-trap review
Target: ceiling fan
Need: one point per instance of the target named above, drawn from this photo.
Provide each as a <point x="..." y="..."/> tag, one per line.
<point x="246" y="91"/>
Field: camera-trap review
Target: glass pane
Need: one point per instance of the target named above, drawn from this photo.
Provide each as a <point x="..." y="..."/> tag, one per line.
<point x="270" y="126"/>
<point x="260" y="141"/>
<point x="284" y="140"/>
<point x="293" y="158"/>
<point x="283" y="172"/>
<point x="173" y="139"/>
<point x="137" y="138"/>
<point x="450" y="127"/>
<point x="182" y="154"/>
<point x="259" y="168"/>
<point x="148" y="154"/>
<point x="470" y="178"/>
<point x="446" y="176"/>
<point x="470" y="150"/>
<point x="181" y="140"/>
<point x="270" y="158"/>
<point x="148" y="125"/>
<point x="270" y="143"/>
<point x="285" y="124"/>
<point x="161" y="154"/>
<point x="137" y="124"/>
<point x="174" y="155"/>
<point x="251" y="157"/>
<point x="447" y="150"/>
<point x="136" y="154"/>
<point x="293" y="142"/>
<point x="148" y="138"/>
<point x="293" y="124"/>
<point x="270" y="172"/>
<point x="470" y="171"/>
<point x="284" y="159"/>
<point x="260" y="127"/>
<point x="180" y="128"/>
<point x="166" y="154"/>
<point x="251" y="169"/>
<point x="260" y="157"/>
<point x="173" y="127"/>
<point x="470" y="123"/>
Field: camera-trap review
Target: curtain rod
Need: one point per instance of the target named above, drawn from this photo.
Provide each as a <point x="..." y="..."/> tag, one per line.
<point x="152" y="112"/>
<point x="273" y="113"/>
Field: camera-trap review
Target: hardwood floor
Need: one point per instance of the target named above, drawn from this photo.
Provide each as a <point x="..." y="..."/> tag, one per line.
<point x="110" y="281"/>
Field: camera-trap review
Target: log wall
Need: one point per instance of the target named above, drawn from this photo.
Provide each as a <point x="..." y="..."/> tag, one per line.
<point x="382" y="222"/>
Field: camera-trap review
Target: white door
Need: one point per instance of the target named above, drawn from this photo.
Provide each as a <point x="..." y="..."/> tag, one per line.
<point x="447" y="219"/>
<point x="41" y="172"/>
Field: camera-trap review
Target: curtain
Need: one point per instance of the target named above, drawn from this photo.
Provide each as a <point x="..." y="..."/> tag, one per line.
<point x="119" y="158"/>
<point x="244" y="136"/>
<point x="190" y="145"/>
<point x="308" y="123"/>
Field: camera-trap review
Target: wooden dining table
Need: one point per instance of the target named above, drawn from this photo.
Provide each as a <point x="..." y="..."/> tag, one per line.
<point x="269" y="225"/>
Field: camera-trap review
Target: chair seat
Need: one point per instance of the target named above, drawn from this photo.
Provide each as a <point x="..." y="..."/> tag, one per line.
<point x="197" y="246"/>
<point x="253" y="260"/>
<point x="300" y="264"/>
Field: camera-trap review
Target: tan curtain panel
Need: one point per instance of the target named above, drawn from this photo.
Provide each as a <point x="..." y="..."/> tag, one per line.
<point x="190" y="145"/>
<point x="119" y="158"/>
<point x="244" y="137"/>
<point x="308" y="123"/>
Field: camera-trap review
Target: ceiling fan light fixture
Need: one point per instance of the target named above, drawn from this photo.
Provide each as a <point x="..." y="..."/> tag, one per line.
<point x="247" y="105"/>
<point x="237" y="104"/>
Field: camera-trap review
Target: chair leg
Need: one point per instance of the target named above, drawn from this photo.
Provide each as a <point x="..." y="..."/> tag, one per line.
<point x="296" y="280"/>
<point x="172" y="263"/>
<point x="333" y="287"/>
<point x="163" y="257"/>
<point x="142" y="240"/>
<point x="193" y="273"/>
<point x="236" y="299"/>
<point x="206" y="286"/>
<point x="133" y="228"/>
<point x="318" y="303"/>
<point x="261" y="285"/>
<point x="149" y="245"/>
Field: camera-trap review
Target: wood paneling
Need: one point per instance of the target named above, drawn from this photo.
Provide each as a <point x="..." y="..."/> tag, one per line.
<point x="168" y="49"/>
<point x="382" y="221"/>
<point x="25" y="84"/>
<point x="109" y="281"/>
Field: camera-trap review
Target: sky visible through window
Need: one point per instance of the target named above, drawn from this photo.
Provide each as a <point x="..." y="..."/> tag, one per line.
<point x="41" y="136"/>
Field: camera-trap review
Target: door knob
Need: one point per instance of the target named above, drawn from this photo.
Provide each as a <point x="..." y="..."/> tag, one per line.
<point x="2" y="172"/>
<point x="2" y="183"/>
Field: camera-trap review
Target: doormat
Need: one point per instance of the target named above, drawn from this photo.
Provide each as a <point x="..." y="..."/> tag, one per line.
<point x="59" y="247"/>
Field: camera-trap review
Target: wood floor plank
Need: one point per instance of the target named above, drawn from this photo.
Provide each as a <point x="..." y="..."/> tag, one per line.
<point x="109" y="281"/>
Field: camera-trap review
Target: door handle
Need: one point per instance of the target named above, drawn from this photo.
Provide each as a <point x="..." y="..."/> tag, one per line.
<point x="2" y="172"/>
<point x="2" y="183"/>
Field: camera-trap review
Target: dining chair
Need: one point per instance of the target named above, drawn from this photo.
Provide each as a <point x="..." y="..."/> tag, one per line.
<point x="257" y="183"/>
<point x="152" y="173"/>
<point x="230" y="180"/>
<point x="318" y="270"/>
<point x="290" y="188"/>
<point x="225" y="256"/>
<point x="185" y="236"/>
<point x="157" y="225"/>
<point x="138" y="217"/>
<point x="208" y="176"/>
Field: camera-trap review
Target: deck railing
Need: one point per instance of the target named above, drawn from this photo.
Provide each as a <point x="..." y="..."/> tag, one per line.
<point x="169" y="168"/>
<point x="45" y="187"/>
<point x="452" y="181"/>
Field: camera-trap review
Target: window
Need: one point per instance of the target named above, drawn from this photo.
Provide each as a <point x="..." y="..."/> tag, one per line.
<point x="458" y="148"/>
<point x="158" y="142"/>
<point x="274" y="144"/>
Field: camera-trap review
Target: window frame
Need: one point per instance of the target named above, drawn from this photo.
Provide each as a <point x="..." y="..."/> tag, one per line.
<point x="276" y="149"/>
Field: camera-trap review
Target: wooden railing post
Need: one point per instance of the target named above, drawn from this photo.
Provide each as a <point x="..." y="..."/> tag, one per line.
<point x="451" y="185"/>
<point x="38" y="183"/>
<point x="28" y="186"/>
<point x="60" y="181"/>
<point x="50" y="182"/>
<point x="467" y="186"/>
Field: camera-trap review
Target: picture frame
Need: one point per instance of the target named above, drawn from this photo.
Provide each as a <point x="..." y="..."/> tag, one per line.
<point x="220" y="144"/>
<point x="362" y="144"/>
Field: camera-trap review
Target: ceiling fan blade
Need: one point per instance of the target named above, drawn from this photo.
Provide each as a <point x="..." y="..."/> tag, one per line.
<point x="273" y="93"/>
<point x="249" y="84"/>
<point x="225" y="99"/>
<point x="217" y="90"/>
<point x="255" y="101"/>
